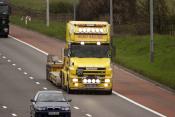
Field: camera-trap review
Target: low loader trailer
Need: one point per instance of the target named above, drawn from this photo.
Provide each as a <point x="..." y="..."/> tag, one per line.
<point x="86" y="59"/>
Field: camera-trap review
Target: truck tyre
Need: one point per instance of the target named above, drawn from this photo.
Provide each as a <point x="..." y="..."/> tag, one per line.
<point x="47" y="74"/>
<point x="6" y="36"/>
<point x="108" y="92"/>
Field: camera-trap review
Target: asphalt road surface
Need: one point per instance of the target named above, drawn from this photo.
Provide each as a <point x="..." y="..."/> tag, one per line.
<point x="22" y="74"/>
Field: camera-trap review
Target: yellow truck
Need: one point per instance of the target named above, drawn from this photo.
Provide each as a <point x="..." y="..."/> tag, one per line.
<point x="86" y="58"/>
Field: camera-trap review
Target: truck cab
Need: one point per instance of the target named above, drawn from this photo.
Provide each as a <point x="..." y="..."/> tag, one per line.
<point x="87" y="57"/>
<point x="4" y="18"/>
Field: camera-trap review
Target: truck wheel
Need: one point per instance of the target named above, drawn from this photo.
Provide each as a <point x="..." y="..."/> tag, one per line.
<point x="47" y="75"/>
<point x="108" y="92"/>
<point x="69" y="91"/>
<point x="6" y="36"/>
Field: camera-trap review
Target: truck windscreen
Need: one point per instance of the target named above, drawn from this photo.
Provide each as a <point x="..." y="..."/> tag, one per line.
<point x="3" y="9"/>
<point x="90" y="51"/>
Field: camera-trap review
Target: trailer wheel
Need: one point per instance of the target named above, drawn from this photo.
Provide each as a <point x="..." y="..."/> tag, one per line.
<point x="47" y="74"/>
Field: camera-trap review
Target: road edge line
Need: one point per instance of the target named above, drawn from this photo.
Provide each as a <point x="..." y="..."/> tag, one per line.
<point x="29" y="45"/>
<point x="138" y="104"/>
<point x="114" y="92"/>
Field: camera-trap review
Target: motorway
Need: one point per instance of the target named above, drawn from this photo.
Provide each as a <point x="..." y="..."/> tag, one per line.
<point x="22" y="74"/>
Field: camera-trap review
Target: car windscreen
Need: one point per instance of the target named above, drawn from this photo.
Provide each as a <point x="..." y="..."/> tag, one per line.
<point x="4" y="9"/>
<point x="50" y="97"/>
<point x="90" y="51"/>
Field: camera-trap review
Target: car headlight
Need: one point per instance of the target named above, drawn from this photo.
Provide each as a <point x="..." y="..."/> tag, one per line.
<point x="40" y="108"/>
<point x="6" y="29"/>
<point x="107" y="80"/>
<point x="65" y="108"/>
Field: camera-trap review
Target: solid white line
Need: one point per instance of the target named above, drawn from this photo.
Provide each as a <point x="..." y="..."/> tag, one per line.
<point x="4" y="107"/>
<point x="13" y="114"/>
<point x="133" y="102"/>
<point x="29" y="45"/>
<point x="88" y="115"/>
<point x="127" y="99"/>
<point x="75" y="107"/>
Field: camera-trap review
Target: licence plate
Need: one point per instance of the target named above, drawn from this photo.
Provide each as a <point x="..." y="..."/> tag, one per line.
<point x="53" y="113"/>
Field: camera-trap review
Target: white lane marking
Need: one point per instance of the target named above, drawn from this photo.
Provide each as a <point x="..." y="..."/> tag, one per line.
<point x="37" y="83"/>
<point x="13" y="64"/>
<point x="45" y="88"/>
<point x="75" y="107"/>
<point x="25" y="73"/>
<point x="127" y="99"/>
<point x="29" y="45"/>
<point x="4" y="107"/>
<point x="31" y="77"/>
<point x="14" y="115"/>
<point x="88" y="115"/>
<point x="9" y="60"/>
<point x="4" y="57"/>
<point x="141" y="106"/>
<point x="19" y="69"/>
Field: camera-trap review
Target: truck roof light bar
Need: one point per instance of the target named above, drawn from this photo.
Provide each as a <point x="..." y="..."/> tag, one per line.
<point x="91" y="30"/>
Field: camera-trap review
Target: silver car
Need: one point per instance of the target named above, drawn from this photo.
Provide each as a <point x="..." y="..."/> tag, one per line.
<point x="50" y="104"/>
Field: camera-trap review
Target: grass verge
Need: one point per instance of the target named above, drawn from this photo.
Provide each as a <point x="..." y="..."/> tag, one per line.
<point x="133" y="53"/>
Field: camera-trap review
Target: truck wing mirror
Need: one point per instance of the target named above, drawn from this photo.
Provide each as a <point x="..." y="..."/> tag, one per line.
<point x="66" y="52"/>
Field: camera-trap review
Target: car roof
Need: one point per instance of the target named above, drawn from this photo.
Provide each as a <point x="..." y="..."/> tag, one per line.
<point x="51" y="91"/>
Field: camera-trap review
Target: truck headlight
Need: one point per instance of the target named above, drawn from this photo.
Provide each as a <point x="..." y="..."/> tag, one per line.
<point x="85" y="81"/>
<point x="75" y="80"/>
<point x="107" y="80"/>
<point x="106" y="85"/>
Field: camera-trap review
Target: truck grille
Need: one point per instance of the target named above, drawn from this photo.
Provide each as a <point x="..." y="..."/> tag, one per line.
<point x="91" y="71"/>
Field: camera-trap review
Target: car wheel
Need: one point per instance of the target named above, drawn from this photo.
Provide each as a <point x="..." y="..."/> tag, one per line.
<point x="68" y="115"/>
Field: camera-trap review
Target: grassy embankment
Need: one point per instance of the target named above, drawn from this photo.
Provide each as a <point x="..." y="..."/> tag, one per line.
<point x="132" y="51"/>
